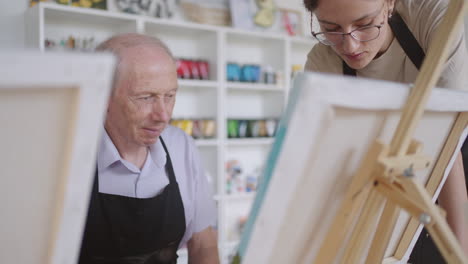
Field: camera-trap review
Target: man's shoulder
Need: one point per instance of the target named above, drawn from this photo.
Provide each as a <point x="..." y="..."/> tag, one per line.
<point x="174" y="135"/>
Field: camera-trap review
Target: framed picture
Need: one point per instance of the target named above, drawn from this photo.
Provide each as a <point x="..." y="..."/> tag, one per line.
<point x="258" y="15"/>
<point x="214" y="12"/>
<point x="291" y="21"/>
<point x="242" y="13"/>
<point x="99" y="4"/>
<point x="152" y="8"/>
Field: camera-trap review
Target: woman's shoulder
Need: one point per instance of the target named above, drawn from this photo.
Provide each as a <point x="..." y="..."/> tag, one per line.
<point x="422" y="17"/>
<point x="417" y="9"/>
<point x="322" y="58"/>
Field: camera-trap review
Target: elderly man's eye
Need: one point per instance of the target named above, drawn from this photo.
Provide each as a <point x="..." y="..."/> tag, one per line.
<point x="145" y="98"/>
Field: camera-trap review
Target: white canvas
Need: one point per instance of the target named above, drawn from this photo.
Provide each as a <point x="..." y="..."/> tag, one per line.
<point x="51" y="113"/>
<point x="329" y="124"/>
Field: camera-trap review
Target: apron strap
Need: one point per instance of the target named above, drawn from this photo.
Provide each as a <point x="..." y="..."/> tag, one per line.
<point x="348" y="70"/>
<point x="407" y="42"/>
<point x="170" y="169"/>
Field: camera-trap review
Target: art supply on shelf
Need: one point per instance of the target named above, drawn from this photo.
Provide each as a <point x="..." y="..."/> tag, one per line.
<point x="197" y="128"/>
<point x="241" y="128"/>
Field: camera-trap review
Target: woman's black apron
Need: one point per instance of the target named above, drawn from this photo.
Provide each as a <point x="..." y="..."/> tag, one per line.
<point x="128" y="230"/>
<point x="425" y="251"/>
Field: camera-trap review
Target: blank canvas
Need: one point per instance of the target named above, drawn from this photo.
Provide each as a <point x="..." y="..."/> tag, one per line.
<point x="51" y="114"/>
<point x="328" y="126"/>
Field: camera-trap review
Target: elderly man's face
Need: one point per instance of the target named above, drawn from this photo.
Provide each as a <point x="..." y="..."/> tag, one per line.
<point x="144" y="98"/>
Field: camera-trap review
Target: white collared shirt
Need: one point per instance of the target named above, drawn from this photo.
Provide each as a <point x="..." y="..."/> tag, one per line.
<point x="120" y="177"/>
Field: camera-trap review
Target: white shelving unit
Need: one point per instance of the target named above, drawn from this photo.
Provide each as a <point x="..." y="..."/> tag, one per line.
<point x="215" y="98"/>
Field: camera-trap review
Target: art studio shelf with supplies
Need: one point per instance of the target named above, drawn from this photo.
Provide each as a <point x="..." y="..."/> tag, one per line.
<point x="233" y="86"/>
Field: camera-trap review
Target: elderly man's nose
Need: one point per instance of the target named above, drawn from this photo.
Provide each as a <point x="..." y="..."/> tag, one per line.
<point x="160" y="112"/>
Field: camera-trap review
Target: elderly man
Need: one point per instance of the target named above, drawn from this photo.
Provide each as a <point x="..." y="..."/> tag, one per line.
<point x="150" y="195"/>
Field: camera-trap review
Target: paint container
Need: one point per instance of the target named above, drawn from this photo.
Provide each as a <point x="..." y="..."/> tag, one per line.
<point x="194" y="73"/>
<point x="256" y="73"/>
<point x="243" y="125"/>
<point x="271" y="127"/>
<point x="187" y="126"/>
<point x="203" y="69"/>
<point x="254" y="128"/>
<point x="247" y="73"/>
<point x="233" y="72"/>
<point x="209" y="128"/>
<point x="232" y="128"/>
<point x="262" y="130"/>
<point x="269" y="76"/>
<point x="197" y="129"/>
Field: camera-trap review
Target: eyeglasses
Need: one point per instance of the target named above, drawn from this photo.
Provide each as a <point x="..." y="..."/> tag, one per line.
<point x="362" y="34"/>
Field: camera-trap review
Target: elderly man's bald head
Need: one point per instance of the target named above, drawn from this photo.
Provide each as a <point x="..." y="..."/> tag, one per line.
<point x="119" y="43"/>
<point x="129" y="49"/>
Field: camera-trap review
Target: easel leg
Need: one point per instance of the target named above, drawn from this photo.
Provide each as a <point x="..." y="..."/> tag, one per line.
<point x="362" y="231"/>
<point x="383" y="233"/>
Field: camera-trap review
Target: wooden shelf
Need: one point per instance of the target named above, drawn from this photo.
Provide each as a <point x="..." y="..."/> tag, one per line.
<point x="198" y="83"/>
<point x="206" y="142"/>
<point x="249" y="141"/>
<point x="236" y="196"/>
<point x="254" y="87"/>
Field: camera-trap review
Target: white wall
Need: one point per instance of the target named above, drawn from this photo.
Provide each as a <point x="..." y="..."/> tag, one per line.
<point x="12" y="23"/>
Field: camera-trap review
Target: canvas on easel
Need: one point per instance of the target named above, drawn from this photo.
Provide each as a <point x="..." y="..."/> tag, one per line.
<point x="334" y="122"/>
<point x="52" y="108"/>
<point x="348" y="155"/>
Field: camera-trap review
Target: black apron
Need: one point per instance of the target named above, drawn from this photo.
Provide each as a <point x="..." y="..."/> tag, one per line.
<point x="128" y="230"/>
<point x="425" y="251"/>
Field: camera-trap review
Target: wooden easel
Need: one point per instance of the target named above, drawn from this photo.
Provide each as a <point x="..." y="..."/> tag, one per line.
<point x="386" y="173"/>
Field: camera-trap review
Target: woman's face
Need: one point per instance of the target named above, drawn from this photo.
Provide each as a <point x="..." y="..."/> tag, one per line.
<point x="345" y="16"/>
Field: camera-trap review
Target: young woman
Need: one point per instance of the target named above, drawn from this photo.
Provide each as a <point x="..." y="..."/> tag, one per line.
<point x="388" y="40"/>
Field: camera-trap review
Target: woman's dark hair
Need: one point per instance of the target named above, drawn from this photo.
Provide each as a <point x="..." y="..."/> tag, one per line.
<point x="310" y="5"/>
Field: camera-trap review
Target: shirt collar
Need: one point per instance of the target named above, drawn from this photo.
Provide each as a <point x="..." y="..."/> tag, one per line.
<point x="108" y="153"/>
